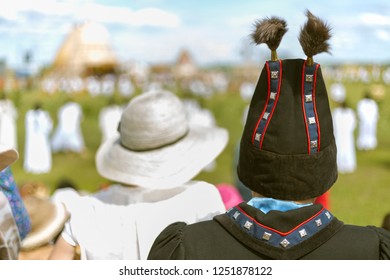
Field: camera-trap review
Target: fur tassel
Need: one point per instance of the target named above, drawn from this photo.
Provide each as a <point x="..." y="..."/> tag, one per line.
<point x="269" y="31"/>
<point x="314" y="36"/>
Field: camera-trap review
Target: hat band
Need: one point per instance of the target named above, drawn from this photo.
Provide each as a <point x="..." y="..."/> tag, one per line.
<point x="157" y="147"/>
<point x="309" y="79"/>
<point x="274" y="72"/>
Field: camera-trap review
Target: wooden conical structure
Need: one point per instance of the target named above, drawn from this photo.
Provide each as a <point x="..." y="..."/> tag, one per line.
<point x="85" y="51"/>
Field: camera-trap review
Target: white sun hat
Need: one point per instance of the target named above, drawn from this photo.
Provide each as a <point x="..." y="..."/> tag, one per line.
<point x="7" y="156"/>
<point x="47" y="221"/>
<point x="157" y="147"/>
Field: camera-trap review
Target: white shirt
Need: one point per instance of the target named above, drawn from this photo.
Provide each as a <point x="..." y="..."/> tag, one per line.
<point x="108" y="231"/>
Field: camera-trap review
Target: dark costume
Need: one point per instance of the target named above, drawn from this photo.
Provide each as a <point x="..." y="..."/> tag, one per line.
<point x="307" y="233"/>
<point x="287" y="153"/>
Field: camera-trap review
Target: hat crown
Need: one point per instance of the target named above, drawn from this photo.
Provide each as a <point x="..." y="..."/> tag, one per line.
<point x="153" y="120"/>
<point x="287" y="113"/>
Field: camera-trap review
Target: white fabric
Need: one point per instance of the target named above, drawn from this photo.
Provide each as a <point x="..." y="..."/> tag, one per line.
<point x="8" y="116"/>
<point x="338" y="92"/>
<point x="109" y="118"/>
<point x="9" y="234"/>
<point x="125" y="195"/>
<point x="368" y="115"/>
<point x="108" y="231"/>
<point x="344" y="123"/>
<point x="68" y="135"/>
<point x="37" y="154"/>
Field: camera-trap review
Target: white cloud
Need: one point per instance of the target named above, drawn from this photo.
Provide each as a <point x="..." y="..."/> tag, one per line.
<point x="372" y="19"/>
<point x="155" y="17"/>
<point x="383" y="35"/>
<point x="243" y="21"/>
<point x="344" y="39"/>
<point x="123" y="15"/>
<point x="86" y="10"/>
<point x="16" y="9"/>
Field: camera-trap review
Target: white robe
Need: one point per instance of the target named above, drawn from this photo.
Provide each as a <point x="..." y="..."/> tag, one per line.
<point x="8" y="116"/>
<point x="368" y="118"/>
<point x="37" y="154"/>
<point x="68" y="135"/>
<point x="109" y="118"/>
<point x="344" y="123"/>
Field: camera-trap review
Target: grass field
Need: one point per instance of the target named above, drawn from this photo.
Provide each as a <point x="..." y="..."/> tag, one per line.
<point x="360" y="198"/>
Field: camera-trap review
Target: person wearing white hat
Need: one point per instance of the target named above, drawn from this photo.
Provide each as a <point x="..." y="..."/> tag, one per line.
<point x="157" y="154"/>
<point x="14" y="220"/>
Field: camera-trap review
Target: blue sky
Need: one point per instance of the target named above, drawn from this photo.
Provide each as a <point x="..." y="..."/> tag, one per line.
<point x="214" y="31"/>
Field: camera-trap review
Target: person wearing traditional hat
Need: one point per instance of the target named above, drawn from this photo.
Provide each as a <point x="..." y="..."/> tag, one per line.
<point x="287" y="158"/>
<point x="14" y="220"/>
<point x="152" y="164"/>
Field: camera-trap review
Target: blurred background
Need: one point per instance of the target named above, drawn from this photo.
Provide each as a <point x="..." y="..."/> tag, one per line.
<point x="100" y="53"/>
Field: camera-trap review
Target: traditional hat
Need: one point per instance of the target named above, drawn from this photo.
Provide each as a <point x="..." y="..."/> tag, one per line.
<point x="287" y="150"/>
<point x="158" y="148"/>
<point x="7" y="156"/>
<point x="47" y="221"/>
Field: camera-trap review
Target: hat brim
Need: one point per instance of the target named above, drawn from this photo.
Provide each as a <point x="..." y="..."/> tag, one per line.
<point x="162" y="168"/>
<point x="35" y="239"/>
<point x="7" y="156"/>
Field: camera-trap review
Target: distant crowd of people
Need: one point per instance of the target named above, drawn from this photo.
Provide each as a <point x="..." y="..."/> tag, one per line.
<point x="345" y="122"/>
<point x="40" y="140"/>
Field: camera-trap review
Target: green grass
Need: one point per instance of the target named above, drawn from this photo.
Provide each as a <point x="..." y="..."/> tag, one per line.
<point x="360" y="198"/>
<point x="363" y="197"/>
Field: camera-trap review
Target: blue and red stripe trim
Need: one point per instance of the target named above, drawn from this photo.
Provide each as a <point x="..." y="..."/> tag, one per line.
<point x="274" y="85"/>
<point x="312" y="125"/>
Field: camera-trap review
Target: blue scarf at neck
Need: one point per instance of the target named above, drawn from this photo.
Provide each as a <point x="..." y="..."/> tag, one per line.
<point x="265" y="204"/>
